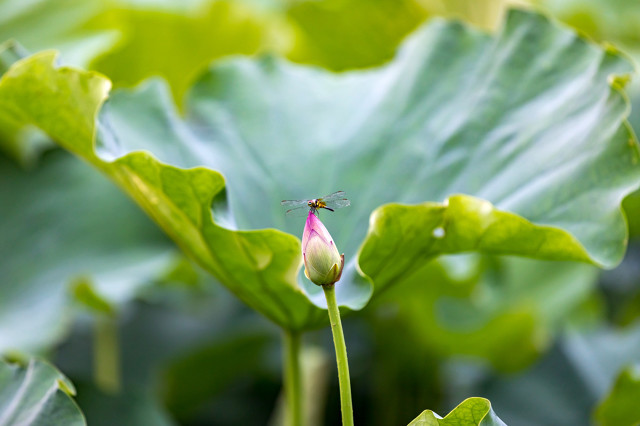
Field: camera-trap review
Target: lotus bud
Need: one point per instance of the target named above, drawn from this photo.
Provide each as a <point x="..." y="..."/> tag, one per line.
<point x="322" y="262"/>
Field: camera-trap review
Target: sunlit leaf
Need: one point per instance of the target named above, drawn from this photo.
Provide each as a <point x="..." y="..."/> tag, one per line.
<point x="462" y="223"/>
<point x="632" y="207"/>
<point x="177" y="44"/>
<point x="526" y="124"/>
<point x="23" y="143"/>
<point x="340" y="34"/>
<point x="603" y="20"/>
<point x="470" y="412"/>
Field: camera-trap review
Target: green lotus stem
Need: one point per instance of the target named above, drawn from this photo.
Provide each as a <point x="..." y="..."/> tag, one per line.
<point x="341" y="355"/>
<point x="106" y="358"/>
<point x="293" y="378"/>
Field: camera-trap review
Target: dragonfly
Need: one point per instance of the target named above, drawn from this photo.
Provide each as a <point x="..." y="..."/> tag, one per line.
<point x="329" y="202"/>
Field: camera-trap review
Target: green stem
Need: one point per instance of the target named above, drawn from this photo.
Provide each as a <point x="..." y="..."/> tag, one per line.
<point x="341" y="355"/>
<point x="105" y="355"/>
<point x="293" y="378"/>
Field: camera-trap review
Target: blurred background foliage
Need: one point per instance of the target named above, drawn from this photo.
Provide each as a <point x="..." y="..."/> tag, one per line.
<point x="546" y="342"/>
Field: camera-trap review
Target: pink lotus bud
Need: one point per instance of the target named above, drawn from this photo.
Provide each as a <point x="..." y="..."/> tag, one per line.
<point x="322" y="262"/>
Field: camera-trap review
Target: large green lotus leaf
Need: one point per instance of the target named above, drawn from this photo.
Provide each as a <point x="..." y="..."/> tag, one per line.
<point x="620" y="407"/>
<point x="470" y="412"/>
<point x="478" y="308"/>
<point x="527" y="120"/>
<point x="461" y="223"/>
<point x="252" y="275"/>
<point x="614" y="22"/>
<point x="64" y="222"/>
<point x="36" y="394"/>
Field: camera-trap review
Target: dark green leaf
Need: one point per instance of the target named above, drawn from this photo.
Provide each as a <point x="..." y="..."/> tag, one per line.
<point x="64" y="222"/>
<point x="36" y="395"/>
<point x="480" y="308"/>
<point x="201" y="375"/>
<point x="127" y="408"/>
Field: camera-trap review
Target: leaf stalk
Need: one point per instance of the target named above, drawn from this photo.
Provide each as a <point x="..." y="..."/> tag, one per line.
<point x="106" y="357"/>
<point x="293" y="378"/>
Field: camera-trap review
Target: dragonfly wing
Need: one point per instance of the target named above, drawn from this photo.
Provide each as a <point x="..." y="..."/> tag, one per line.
<point x="332" y="197"/>
<point x="293" y="203"/>
<point x="338" y="204"/>
<point x="298" y="211"/>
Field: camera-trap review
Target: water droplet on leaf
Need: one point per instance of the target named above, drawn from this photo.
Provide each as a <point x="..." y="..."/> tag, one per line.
<point x="438" y="232"/>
